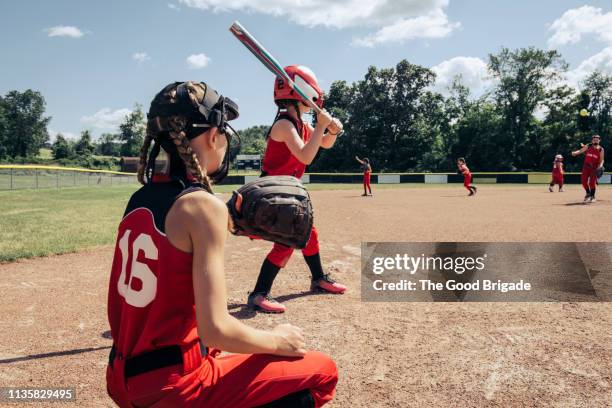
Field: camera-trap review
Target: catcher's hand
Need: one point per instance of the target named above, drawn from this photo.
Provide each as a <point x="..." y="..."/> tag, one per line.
<point x="274" y="208"/>
<point x="600" y="171"/>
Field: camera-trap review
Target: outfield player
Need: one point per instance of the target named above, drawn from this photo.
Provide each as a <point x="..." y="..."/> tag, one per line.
<point x="367" y="173"/>
<point x="593" y="161"/>
<point x="557" y="174"/>
<point x="292" y="144"/>
<point x="467" y="176"/>
<point x="167" y="293"/>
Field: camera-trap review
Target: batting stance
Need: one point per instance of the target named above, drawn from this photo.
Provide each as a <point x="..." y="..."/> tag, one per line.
<point x="367" y="173"/>
<point x="167" y="293"/>
<point x="557" y="173"/>
<point x="467" y="176"/>
<point x="592" y="168"/>
<point x="292" y="144"/>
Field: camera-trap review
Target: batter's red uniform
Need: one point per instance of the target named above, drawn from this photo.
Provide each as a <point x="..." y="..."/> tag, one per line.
<point x="592" y="158"/>
<point x="279" y="161"/>
<point x="157" y="359"/>
<point x="557" y="173"/>
<point x="467" y="176"/>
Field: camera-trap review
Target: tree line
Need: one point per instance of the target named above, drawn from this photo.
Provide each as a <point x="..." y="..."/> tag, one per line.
<point x="394" y="117"/>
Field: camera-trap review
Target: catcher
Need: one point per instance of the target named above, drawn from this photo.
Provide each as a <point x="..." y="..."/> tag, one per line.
<point x="167" y="294"/>
<point x="292" y="144"/>
<point x="593" y="166"/>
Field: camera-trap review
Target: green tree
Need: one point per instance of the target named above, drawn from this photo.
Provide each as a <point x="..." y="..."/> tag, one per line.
<point x="3" y="131"/>
<point x="253" y="140"/>
<point x="523" y="76"/>
<point x="62" y="148"/>
<point x="132" y="132"/>
<point x="598" y="87"/>
<point x="25" y="126"/>
<point x="107" y="145"/>
<point x="84" y="146"/>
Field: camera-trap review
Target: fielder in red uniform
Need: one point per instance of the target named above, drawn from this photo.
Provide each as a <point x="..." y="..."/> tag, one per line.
<point x="557" y="174"/>
<point x="367" y="173"/>
<point x="293" y="144"/>
<point x="167" y="303"/>
<point x="467" y="176"/>
<point x="593" y="160"/>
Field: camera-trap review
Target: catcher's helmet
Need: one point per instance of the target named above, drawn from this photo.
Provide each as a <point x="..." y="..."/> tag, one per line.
<point x="558" y="157"/>
<point x="305" y="79"/>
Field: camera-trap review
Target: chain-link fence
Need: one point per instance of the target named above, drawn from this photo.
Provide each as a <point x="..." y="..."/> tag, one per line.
<point x="34" y="177"/>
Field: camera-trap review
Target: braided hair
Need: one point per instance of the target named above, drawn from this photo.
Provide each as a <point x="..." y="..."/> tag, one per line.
<point x="170" y="118"/>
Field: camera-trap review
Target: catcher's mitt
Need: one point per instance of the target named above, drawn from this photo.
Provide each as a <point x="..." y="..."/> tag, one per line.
<point x="600" y="171"/>
<point x="274" y="208"/>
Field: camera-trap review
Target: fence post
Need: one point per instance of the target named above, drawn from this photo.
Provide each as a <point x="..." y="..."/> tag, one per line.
<point x="57" y="179"/>
<point x="88" y="176"/>
<point x="36" y="176"/>
<point x="74" y="183"/>
<point x="11" y="178"/>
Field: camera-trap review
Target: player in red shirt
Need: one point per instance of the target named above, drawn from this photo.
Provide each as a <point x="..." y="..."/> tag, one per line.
<point x="167" y="296"/>
<point x="557" y="174"/>
<point x="367" y="172"/>
<point x="292" y="145"/>
<point x="467" y="176"/>
<point x="593" y="160"/>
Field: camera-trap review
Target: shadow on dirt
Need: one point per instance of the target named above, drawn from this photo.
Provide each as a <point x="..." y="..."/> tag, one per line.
<point x="53" y="354"/>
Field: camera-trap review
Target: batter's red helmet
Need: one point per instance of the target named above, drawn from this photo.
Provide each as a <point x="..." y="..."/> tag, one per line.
<point x="305" y="79"/>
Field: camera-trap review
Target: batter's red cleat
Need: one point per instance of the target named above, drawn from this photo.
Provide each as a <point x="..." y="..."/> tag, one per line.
<point x="327" y="284"/>
<point x="263" y="302"/>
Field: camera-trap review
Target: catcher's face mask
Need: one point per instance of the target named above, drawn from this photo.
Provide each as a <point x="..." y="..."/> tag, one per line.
<point x="201" y="108"/>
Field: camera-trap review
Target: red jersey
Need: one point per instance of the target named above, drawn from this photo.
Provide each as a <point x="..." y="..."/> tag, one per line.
<point x="592" y="156"/>
<point x="278" y="159"/>
<point x="464" y="170"/>
<point x="150" y="297"/>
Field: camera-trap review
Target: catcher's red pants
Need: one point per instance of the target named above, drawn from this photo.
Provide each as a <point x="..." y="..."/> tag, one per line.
<point x="366" y="182"/>
<point x="467" y="180"/>
<point x="280" y="254"/>
<point x="237" y="381"/>
<point x="589" y="178"/>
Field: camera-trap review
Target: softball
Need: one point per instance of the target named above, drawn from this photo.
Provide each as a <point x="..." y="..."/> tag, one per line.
<point x="584" y="112"/>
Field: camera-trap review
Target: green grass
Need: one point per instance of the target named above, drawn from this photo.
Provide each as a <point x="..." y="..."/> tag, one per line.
<point x="53" y="221"/>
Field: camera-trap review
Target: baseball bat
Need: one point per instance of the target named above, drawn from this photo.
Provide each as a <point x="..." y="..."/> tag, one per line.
<point x="269" y="61"/>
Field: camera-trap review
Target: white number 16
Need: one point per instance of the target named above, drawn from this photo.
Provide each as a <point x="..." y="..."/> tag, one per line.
<point x="138" y="270"/>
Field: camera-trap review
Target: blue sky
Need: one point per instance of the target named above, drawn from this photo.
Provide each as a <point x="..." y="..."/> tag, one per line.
<point x="92" y="60"/>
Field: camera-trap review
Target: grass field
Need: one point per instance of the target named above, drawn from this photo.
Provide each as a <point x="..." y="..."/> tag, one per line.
<point x="54" y="221"/>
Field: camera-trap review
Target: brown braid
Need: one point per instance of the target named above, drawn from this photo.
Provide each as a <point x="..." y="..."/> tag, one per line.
<point x="190" y="159"/>
<point x="144" y="151"/>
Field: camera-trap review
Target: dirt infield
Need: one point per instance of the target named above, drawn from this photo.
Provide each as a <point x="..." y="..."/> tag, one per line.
<point x="54" y="327"/>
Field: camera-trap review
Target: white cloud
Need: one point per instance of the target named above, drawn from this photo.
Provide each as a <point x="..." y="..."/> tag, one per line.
<point x="197" y="61"/>
<point x="432" y="25"/>
<point x="64" y="31"/>
<point x="473" y="71"/>
<point x="420" y="18"/>
<point x="106" y="118"/>
<point x="173" y="7"/>
<point x="602" y="61"/>
<point x="140" y="57"/>
<point x="576" y="23"/>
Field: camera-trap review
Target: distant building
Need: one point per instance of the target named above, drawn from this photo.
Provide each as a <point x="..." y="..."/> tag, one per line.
<point x="130" y="164"/>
